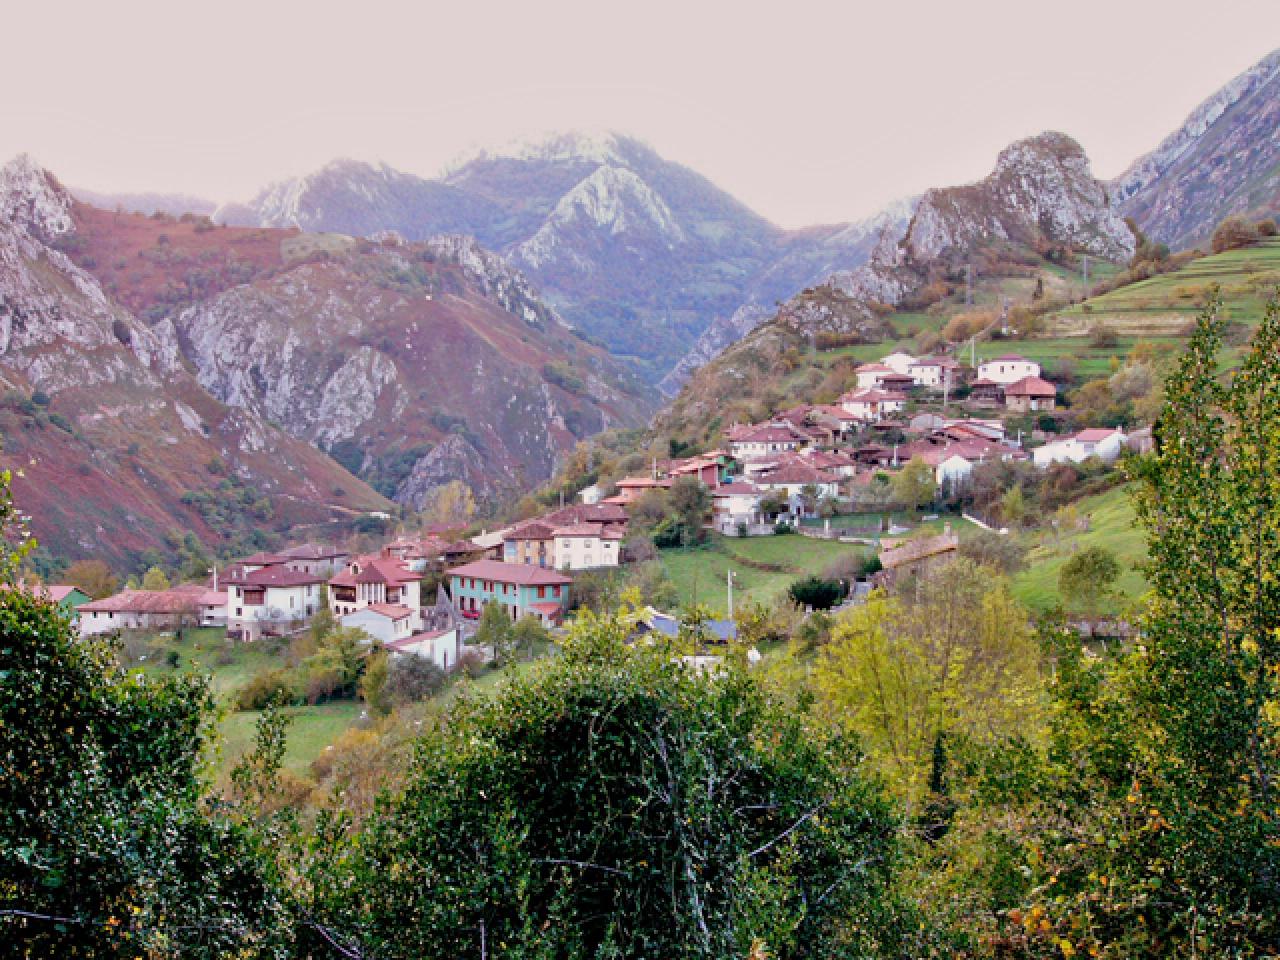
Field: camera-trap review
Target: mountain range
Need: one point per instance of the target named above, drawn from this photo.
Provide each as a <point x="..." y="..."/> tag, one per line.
<point x="166" y="375"/>
<point x="640" y="253"/>
<point x="358" y="336"/>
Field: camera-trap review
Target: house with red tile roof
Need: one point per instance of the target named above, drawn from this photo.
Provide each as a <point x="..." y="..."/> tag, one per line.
<point x="873" y="405"/>
<point x="271" y="600"/>
<point x="375" y="580"/>
<point x="765" y="439"/>
<point x="934" y="373"/>
<point x="384" y="622"/>
<point x="521" y="589"/>
<point x="141" y="610"/>
<point x="1030" y="394"/>
<point x="868" y="375"/>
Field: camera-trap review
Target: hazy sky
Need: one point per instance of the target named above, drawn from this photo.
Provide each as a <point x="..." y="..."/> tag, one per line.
<point x="808" y="112"/>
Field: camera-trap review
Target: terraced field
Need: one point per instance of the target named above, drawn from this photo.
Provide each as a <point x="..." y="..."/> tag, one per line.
<point x="1165" y="305"/>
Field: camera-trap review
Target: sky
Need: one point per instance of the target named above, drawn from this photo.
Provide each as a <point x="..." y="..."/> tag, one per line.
<point x="808" y="112"/>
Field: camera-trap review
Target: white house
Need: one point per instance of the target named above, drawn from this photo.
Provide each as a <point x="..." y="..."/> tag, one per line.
<point x="760" y="441"/>
<point x="385" y="622"/>
<point x="899" y="362"/>
<point x="141" y="610"/>
<point x="270" y="599"/>
<point x="1102" y="442"/>
<point x="792" y="478"/>
<point x="1008" y="368"/>
<point x="584" y="546"/>
<point x="441" y="647"/>
<point x="591" y="495"/>
<point x="869" y="374"/>
<point x="370" y="580"/>
<point x="736" y="503"/>
<point x="934" y="372"/>
<point x="872" y="405"/>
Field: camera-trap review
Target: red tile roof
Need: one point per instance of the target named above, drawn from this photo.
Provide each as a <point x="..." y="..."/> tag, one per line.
<point x="144" y="601"/>
<point x="396" y="611"/>
<point x="550" y="609"/>
<point x="1095" y="434"/>
<point x="525" y="574"/>
<point x="590" y="530"/>
<point x="263" y="559"/>
<point x="736" y="490"/>
<point x="1031" y="387"/>
<point x="273" y="576"/>
<point x="794" y="473"/>
<point x="312" y="551"/>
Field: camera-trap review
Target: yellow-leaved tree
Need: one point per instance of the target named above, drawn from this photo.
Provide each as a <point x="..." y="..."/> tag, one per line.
<point x="953" y="654"/>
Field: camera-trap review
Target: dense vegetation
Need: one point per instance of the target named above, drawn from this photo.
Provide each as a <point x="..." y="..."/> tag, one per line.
<point x="924" y="775"/>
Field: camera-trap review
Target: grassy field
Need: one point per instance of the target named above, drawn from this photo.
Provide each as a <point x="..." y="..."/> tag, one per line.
<point x="1111" y="525"/>
<point x="699" y="573"/>
<point x="1167" y="303"/>
<point x="229" y="667"/>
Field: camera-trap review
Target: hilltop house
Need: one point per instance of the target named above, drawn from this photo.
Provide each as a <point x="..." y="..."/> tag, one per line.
<point x="314" y="558"/>
<point x="899" y="362"/>
<point x="375" y="580"/>
<point x="1102" y="442"/>
<point x="631" y="489"/>
<point x="765" y="439"/>
<point x="1007" y="368"/>
<point x="270" y="600"/>
<point x="1030" y="394"/>
<point x="522" y="589"/>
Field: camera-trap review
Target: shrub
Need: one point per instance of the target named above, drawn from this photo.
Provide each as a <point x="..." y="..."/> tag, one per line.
<point x="1233" y="232"/>
<point x="817" y="593"/>
<point x="269" y="686"/>
<point x="412" y="678"/>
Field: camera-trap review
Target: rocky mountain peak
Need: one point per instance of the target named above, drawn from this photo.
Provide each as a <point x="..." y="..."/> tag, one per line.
<point x="565" y="146"/>
<point x="1224" y="159"/>
<point x="1042" y="191"/>
<point x="33" y="200"/>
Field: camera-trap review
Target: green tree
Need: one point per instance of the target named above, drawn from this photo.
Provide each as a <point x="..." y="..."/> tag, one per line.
<point x="495" y="631"/>
<point x="613" y="803"/>
<point x="529" y="635"/>
<point x="155" y="579"/>
<point x="107" y="849"/>
<point x="816" y="593"/>
<point x="1087" y="580"/>
<point x="373" y="684"/>
<point x="1013" y="506"/>
<point x="914" y="485"/>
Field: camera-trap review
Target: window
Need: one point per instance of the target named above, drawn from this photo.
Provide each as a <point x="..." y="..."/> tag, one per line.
<point x="542" y="592"/>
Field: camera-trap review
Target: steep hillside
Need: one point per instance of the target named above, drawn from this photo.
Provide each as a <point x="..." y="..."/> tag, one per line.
<point x="117" y="450"/>
<point x="1040" y="208"/>
<point x="1224" y="159"/>
<point x="167" y="374"/>
<point x="414" y="364"/>
<point x="638" y="252"/>
<point x="173" y="204"/>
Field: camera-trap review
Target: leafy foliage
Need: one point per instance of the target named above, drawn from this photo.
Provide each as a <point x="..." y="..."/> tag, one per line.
<point x="613" y="804"/>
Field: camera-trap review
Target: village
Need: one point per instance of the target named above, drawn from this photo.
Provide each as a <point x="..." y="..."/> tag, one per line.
<point x="424" y="594"/>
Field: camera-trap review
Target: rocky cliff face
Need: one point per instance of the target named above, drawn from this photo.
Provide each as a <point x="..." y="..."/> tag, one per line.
<point x="111" y="438"/>
<point x="253" y="354"/>
<point x="1224" y="159"/>
<point x="1040" y="200"/>
<point x="390" y="352"/>
<point x="637" y="252"/>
